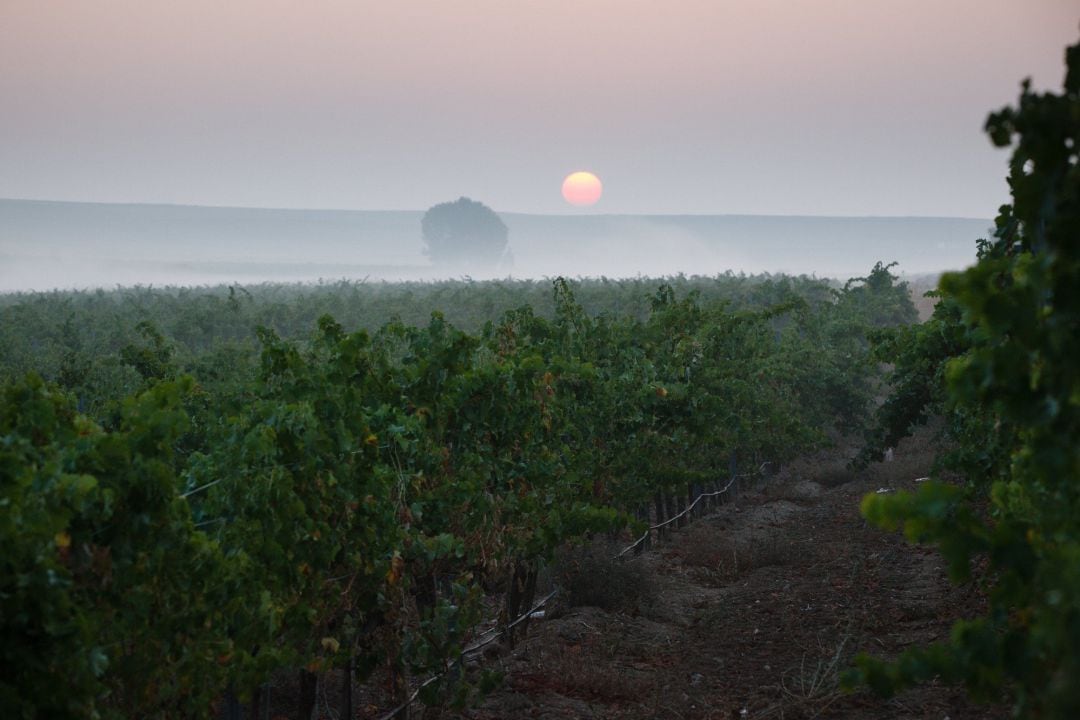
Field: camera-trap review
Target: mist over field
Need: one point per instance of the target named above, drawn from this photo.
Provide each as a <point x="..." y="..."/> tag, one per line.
<point x="50" y="245"/>
<point x="154" y="143"/>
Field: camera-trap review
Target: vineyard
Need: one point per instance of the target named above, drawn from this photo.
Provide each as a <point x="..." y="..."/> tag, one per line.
<point x="191" y="512"/>
<point x="205" y="489"/>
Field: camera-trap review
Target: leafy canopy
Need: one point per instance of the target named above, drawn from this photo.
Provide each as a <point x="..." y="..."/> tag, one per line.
<point x="1001" y="361"/>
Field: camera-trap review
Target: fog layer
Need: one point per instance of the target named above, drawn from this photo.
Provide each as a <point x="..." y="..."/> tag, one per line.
<point x="48" y="245"/>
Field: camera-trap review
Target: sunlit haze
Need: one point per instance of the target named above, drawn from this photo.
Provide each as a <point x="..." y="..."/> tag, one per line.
<point x="715" y="106"/>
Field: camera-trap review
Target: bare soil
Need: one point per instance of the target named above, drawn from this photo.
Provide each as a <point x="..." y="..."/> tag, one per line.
<point x="752" y="612"/>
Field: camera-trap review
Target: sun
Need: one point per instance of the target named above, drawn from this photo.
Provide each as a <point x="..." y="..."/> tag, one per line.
<point x="582" y="188"/>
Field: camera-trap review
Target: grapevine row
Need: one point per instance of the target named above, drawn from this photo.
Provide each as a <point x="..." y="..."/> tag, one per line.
<point x="353" y="502"/>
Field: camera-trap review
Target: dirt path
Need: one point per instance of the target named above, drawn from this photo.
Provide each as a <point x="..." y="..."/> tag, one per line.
<point x="751" y="613"/>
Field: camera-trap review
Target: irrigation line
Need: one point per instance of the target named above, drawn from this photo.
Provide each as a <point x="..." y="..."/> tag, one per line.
<point x="467" y="651"/>
<point x="499" y="632"/>
<point x="721" y="491"/>
<point x="473" y="648"/>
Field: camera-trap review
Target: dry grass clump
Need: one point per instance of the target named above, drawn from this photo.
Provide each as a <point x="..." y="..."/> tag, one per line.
<point x="828" y="469"/>
<point x="721" y="558"/>
<point x="809" y="689"/>
<point x="835" y="474"/>
<point x="590" y="578"/>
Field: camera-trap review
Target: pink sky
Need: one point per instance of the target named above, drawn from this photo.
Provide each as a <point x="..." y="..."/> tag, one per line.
<point x="729" y="106"/>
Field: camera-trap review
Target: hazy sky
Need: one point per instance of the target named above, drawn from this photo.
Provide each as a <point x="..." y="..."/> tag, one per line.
<point x="719" y="106"/>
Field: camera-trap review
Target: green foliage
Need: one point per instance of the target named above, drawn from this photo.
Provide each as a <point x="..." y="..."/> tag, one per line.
<point x="100" y="551"/>
<point x="190" y="504"/>
<point x="1005" y="347"/>
<point x="153" y="361"/>
<point x="918" y="355"/>
<point x="46" y="635"/>
<point x="879" y="299"/>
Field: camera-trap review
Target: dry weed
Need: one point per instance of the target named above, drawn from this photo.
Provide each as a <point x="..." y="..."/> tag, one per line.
<point x="723" y="558"/>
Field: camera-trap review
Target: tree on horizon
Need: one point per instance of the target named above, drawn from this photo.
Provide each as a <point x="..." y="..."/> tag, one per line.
<point x="465" y="233"/>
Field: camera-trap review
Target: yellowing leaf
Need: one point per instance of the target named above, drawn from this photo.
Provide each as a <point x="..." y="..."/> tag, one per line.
<point x="63" y="540"/>
<point x="397" y="566"/>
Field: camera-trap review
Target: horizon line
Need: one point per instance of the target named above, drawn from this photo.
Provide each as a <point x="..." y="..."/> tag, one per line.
<point x="499" y="212"/>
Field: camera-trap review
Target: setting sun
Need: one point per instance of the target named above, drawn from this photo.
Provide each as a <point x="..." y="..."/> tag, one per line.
<point x="582" y="188"/>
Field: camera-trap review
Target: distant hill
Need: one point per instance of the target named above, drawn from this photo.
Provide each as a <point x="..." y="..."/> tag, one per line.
<point x="44" y="244"/>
